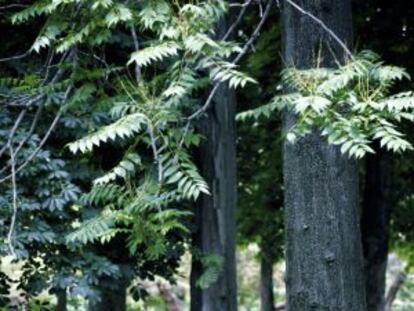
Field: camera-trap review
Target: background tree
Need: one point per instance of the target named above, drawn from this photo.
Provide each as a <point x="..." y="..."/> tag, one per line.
<point x="260" y="207"/>
<point x="383" y="170"/>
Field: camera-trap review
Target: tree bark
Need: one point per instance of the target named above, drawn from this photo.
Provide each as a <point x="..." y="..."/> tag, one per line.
<point x="112" y="296"/>
<point x="375" y="226"/>
<point x="215" y="214"/>
<point x="61" y="296"/>
<point x="267" y="300"/>
<point x="323" y="242"/>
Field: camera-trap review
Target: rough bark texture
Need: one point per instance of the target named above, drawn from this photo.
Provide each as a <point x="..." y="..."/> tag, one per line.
<point x="375" y="224"/>
<point x="266" y="279"/>
<point x="215" y="214"/>
<point x="324" y="253"/>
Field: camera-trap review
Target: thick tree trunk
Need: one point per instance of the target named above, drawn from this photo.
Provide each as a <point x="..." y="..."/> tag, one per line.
<point x="375" y="223"/>
<point x="215" y="214"/>
<point x="323" y="242"/>
<point x="266" y="278"/>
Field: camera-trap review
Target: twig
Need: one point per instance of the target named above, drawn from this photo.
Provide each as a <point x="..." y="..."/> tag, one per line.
<point x="238" y="19"/>
<point x="7" y="59"/>
<point x="155" y="151"/>
<point x="324" y="26"/>
<point x="244" y="50"/>
<point x="13" y="131"/>
<point x="136" y="46"/>
<point x="11" y="232"/>
<point x="23" y="141"/>
<point x="216" y="86"/>
<point x="43" y="141"/>
<point x="31" y="130"/>
<point x="12" y="6"/>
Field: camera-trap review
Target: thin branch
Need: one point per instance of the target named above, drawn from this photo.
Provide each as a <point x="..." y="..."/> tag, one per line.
<point x="216" y="86"/>
<point x="26" y="101"/>
<point x="13" y="131"/>
<point x="31" y="130"/>
<point x="238" y="19"/>
<point x="244" y="4"/>
<point x="49" y="60"/>
<point x="136" y="46"/>
<point x="155" y="151"/>
<point x="12" y="6"/>
<point x="43" y="141"/>
<point x="16" y="57"/>
<point x="244" y="50"/>
<point x="23" y="141"/>
<point x="324" y="26"/>
<point x="11" y="233"/>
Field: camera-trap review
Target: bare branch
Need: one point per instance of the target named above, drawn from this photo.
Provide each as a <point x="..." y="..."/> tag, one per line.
<point x="155" y="151"/>
<point x="238" y="19"/>
<point x="13" y="131"/>
<point x="15" y="57"/>
<point x="324" y="26"/>
<point x="136" y="46"/>
<point x="244" y="50"/>
<point x="43" y="141"/>
<point x="11" y="233"/>
<point x="12" y="6"/>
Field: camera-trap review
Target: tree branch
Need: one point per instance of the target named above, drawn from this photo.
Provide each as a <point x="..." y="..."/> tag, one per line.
<point x="244" y="50"/>
<point x="136" y="46"/>
<point x="11" y="233"/>
<point x="43" y="141"/>
<point x="324" y="26"/>
<point x="16" y="57"/>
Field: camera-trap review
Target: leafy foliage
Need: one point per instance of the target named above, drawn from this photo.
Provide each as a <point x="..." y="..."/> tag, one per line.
<point x="352" y="105"/>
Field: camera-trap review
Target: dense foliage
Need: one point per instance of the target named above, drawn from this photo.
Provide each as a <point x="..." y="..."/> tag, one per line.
<point x="100" y="103"/>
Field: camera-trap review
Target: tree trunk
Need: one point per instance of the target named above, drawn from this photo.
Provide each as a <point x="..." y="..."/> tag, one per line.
<point x="112" y="296"/>
<point x="396" y="285"/>
<point x="323" y="242"/>
<point x="171" y="301"/>
<point x="215" y="214"/>
<point x="266" y="279"/>
<point x="375" y="223"/>
<point x="61" y="300"/>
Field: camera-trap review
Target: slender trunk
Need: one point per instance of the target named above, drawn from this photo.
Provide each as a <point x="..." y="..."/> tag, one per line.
<point x="323" y="243"/>
<point x="112" y="296"/>
<point x="169" y="297"/>
<point x="375" y="224"/>
<point x="215" y="214"/>
<point x="266" y="278"/>
<point x="61" y="296"/>
<point x="396" y="285"/>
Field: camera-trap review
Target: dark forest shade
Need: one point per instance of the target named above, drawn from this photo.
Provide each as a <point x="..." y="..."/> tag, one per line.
<point x="324" y="253"/>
